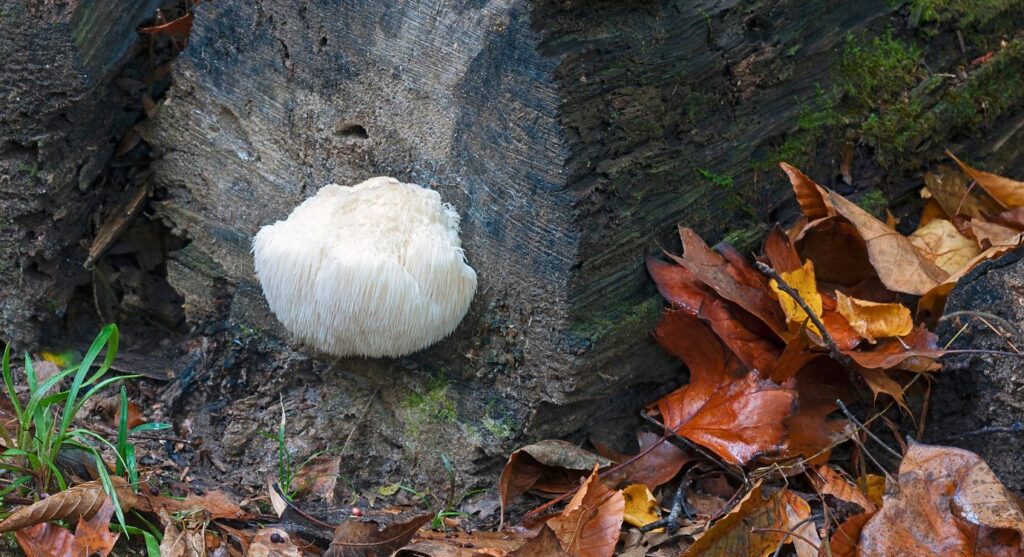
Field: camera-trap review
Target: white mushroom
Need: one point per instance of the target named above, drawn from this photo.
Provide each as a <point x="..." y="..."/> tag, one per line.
<point x="376" y="269"/>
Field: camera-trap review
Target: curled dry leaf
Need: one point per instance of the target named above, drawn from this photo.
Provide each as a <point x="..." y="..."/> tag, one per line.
<point x="779" y="250"/>
<point x="948" y="503"/>
<point x="318" y="476"/>
<point x="81" y="501"/>
<point x="843" y="542"/>
<point x="943" y="244"/>
<point x="1009" y="193"/>
<point x="272" y="542"/>
<point x="917" y="352"/>
<point x="813" y="203"/>
<point x="754" y="528"/>
<point x="830" y="482"/>
<point x="354" y="538"/>
<point x="900" y="266"/>
<point x="551" y="463"/>
<point x="949" y="189"/>
<point x="641" y="507"/>
<point x="656" y="467"/>
<point x="801" y="280"/>
<point x="989" y="234"/>
<point x="93" y="536"/>
<point x="873" y="320"/>
<point x="44" y="540"/>
<point x="216" y="504"/>
<point x="544" y="544"/>
<point x="590" y="524"/>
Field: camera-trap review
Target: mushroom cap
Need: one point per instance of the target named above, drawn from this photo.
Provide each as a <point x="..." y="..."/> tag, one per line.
<point x="376" y="269"/>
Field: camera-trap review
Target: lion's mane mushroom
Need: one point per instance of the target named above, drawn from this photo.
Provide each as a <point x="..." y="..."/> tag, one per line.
<point x="375" y="269"/>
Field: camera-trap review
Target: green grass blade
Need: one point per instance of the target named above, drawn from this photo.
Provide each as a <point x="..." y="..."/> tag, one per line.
<point x="109" y="337"/>
<point x="9" y="383"/>
<point x="108" y="486"/>
<point x="30" y="374"/>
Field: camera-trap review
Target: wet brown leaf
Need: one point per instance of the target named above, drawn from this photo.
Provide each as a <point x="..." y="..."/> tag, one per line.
<point x="93" y="536"/>
<point x="81" y="501"/>
<point x="830" y="482"/>
<point x="917" y="352"/>
<point x="653" y="469"/>
<point x="811" y="431"/>
<point x="590" y="524"/>
<point x="949" y="503"/>
<point x="44" y="540"/>
<point x="780" y="252"/>
<point x="354" y="538"/>
<point x="843" y="541"/>
<point x="737" y="418"/>
<point x="546" y="460"/>
<point x="736" y="534"/>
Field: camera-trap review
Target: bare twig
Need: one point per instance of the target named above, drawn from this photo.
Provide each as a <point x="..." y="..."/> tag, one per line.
<point x="671" y="522"/>
<point x="857" y="423"/>
<point x="985" y="317"/>
<point x="826" y="338"/>
<point x="1016" y="427"/>
<point x="733" y="471"/>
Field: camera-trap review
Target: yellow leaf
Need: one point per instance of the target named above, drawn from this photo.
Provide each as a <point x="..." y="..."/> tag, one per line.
<point x="802" y="280"/>
<point x="940" y="242"/>
<point x="873" y="486"/>
<point x="1009" y="193"/>
<point x="641" y="507"/>
<point x="62" y="360"/>
<point x="873" y="320"/>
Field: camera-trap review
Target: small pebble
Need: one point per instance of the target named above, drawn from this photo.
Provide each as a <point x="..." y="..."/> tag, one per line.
<point x="356" y="511"/>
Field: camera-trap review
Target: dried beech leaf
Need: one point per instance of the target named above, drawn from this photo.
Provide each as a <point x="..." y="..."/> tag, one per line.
<point x="797" y="512"/>
<point x="839" y="253"/>
<point x="1009" y="193"/>
<point x="272" y="542"/>
<point x="989" y="234"/>
<point x="354" y="538"/>
<point x="81" y="501"/>
<point x="843" y="541"/>
<point x="779" y="250"/>
<point x="873" y="320"/>
<point x="801" y="280"/>
<point x="528" y="465"/>
<point x="590" y="524"/>
<point x="948" y="503"/>
<point x="216" y="504"/>
<point x="318" y="476"/>
<point x="899" y="264"/>
<point x="738" y="533"/>
<point x="654" y="468"/>
<point x="944" y="245"/>
<point x="544" y="544"/>
<point x="737" y="418"/>
<point x="917" y="352"/>
<point x="832" y="483"/>
<point x="809" y="195"/>
<point x="811" y="431"/>
<point x="641" y="507"/>
<point x="873" y="486"/>
<point x="44" y="540"/>
<point x="93" y="536"/>
<point x="949" y="189"/>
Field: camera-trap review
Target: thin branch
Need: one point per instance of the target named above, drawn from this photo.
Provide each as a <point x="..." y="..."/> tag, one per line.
<point x="671" y="522"/>
<point x="729" y="468"/>
<point x="857" y="423"/>
<point x="826" y="338"/>
<point x="1016" y="427"/>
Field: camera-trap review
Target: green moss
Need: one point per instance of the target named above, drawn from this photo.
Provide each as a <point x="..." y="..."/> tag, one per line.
<point x="873" y="73"/>
<point x="964" y="13"/>
<point x="747" y="239"/>
<point x="874" y="202"/>
<point x="501" y="428"/>
<point x="435" y="406"/>
<point x="798" y="146"/>
<point x="619" y="317"/>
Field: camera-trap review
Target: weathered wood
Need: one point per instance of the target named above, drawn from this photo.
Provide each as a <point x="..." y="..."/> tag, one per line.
<point x="60" y="116"/>
<point x="571" y="136"/>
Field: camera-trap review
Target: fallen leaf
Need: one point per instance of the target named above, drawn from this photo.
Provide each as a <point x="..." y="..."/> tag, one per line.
<point x="734" y="279"/>
<point x="949" y="189"/>
<point x="930" y="212"/>
<point x="589" y="525"/>
<point x="560" y="461"/>
<point x="678" y="285"/>
<point x="737" y="418"/>
<point x="782" y="255"/>
<point x="839" y="253"/>
<point x="544" y="544"/>
<point x="873" y="486"/>
<point x="740" y="533"/>
<point x="797" y="512"/>
<point x="873" y="320"/>
<point x="811" y="432"/>
<point x="801" y="280"/>
<point x="843" y="542"/>
<point x="814" y="204"/>
<point x="686" y="338"/>
<point x="989" y="234"/>
<point x="216" y="504"/>
<point x="943" y="244"/>
<point x="656" y="467"/>
<point x="318" y="476"/>
<point x="1009" y="193"/>
<point x="354" y="538"/>
<point x="44" y="540"/>
<point x="276" y="501"/>
<point x="93" y="536"/>
<point x="830" y="482"/>
<point x="134" y="415"/>
<point x="176" y="542"/>
<point x="917" y="352"/>
<point x="737" y="330"/>
<point x="180" y="27"/>
<point x="948" y="503"/>
<point x="641" y="507"/>
<point x="900" y="266"/>
<point x="932" y="303"/>
<point x="846" y="162"/>
<point x="81" y="501"/>
<point x="272" y="542"/>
